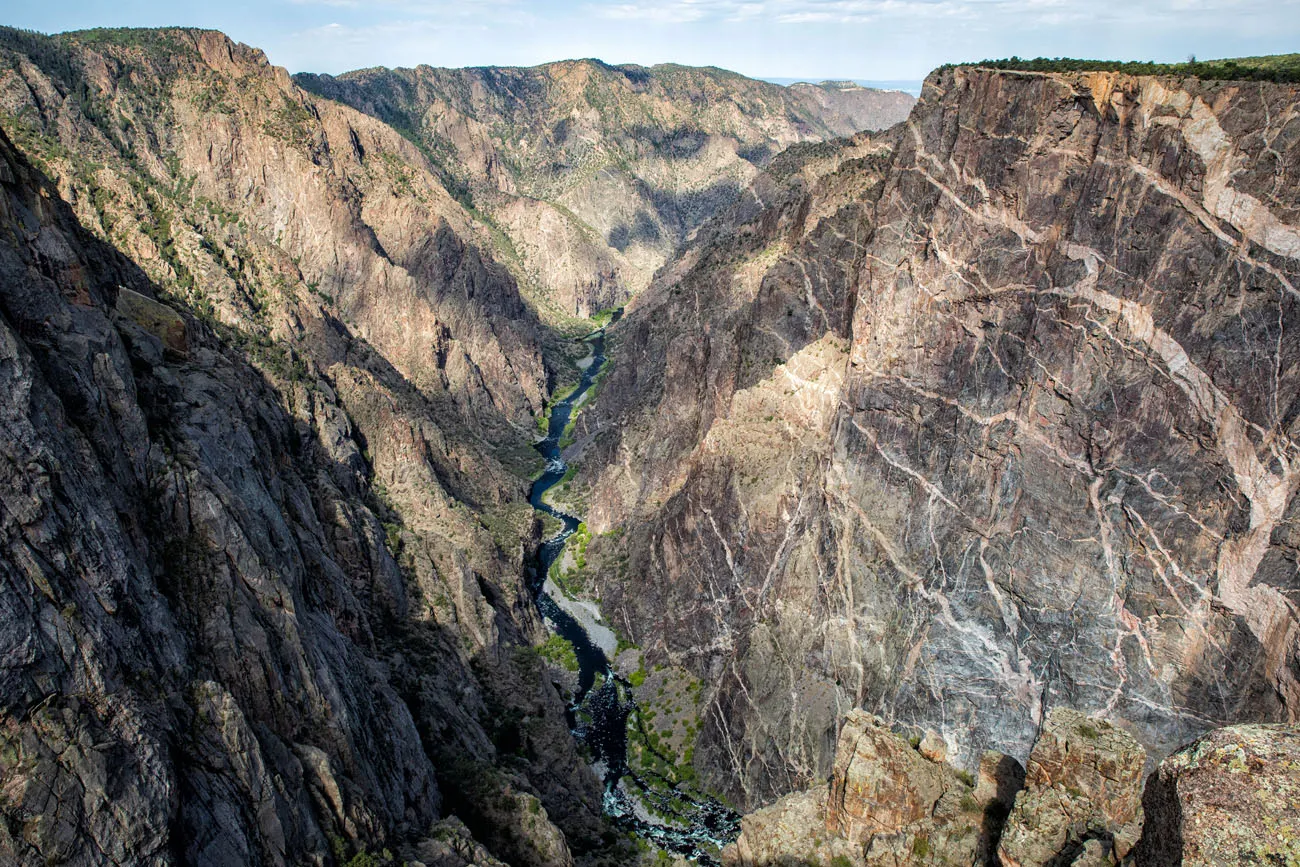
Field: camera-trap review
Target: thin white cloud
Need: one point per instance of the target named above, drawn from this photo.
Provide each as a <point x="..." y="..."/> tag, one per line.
<point x="681" y="11"/>
<point x="675" y="13"/>
<point x="448" y="9"/>
<point x="794" y="38"/>
<point x="1015" y="13"/>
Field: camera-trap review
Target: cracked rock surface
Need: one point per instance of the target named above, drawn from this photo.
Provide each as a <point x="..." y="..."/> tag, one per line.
<point x="988" y="414"/>
<point x="886" y="804"/>
<point x="261" y="540"/>
<point x="1082" y="800"/>
<point x="1232" y="797"/>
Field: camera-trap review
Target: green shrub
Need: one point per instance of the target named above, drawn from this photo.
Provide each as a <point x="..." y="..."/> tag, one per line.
<point x="1278" y="67"/>
<point x="921" y="845"/>
<point x="559" y="651"/>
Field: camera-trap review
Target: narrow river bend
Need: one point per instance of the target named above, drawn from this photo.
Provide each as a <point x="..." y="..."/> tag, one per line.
<point x="673" y="818"/>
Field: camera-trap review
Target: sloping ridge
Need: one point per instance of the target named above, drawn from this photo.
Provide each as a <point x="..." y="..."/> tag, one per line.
<point x="597" y="173"/>
<point x="265" y="448"/>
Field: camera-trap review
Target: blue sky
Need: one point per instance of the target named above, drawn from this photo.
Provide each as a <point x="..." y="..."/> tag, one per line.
<point x="862" y="39"/>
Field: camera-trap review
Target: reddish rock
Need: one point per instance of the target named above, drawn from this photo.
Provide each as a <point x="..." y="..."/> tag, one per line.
<point x="879" y="784"/>
<point x="1232" y="797"/>
<point x="1082" y="794"/>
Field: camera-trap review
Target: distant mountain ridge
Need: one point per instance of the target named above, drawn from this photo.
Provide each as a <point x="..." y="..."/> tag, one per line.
<point x="595" y="173"/>
<point x="906" y="85"/>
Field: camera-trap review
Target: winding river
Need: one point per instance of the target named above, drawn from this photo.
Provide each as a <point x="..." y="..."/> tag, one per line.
<point x="671" y="817"/>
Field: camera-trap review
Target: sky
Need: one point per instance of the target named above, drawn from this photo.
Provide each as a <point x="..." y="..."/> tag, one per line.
<point x="809" y="39"/>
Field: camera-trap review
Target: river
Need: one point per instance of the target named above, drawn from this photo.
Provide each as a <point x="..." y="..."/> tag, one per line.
<point x="673" y="818"/>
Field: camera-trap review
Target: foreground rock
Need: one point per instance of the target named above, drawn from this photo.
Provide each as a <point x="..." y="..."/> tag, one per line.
<point x="1082" y="800"/>
<point x="888" y="803"/>
<point x="1232" y="797"/>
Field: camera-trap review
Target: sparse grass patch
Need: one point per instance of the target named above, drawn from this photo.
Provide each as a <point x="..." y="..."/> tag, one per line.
<point x="559" y="651"/>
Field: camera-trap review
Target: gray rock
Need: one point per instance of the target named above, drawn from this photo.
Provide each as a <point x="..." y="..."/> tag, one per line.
<point x="968" y="420"/>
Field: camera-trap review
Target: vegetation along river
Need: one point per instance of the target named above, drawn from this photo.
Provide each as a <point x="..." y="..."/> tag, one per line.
<point x="674" y="817"/>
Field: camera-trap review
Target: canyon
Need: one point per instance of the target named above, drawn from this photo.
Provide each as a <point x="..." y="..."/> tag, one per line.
<point x="594" y="174"/>
<point x="548" y="466"/>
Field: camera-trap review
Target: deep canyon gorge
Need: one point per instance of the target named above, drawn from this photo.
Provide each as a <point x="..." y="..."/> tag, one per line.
<point x="600" y="465"/>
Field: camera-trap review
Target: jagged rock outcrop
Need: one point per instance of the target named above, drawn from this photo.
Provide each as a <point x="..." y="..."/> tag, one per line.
<point x="1082" y="800"/>
<point x="791" y="832"/>
<point x="1229" y="798"/>
<point x="1232" y="797"/>
<point x="897" y="803"/>
<point x="261" y="539"/>
<point x="994" y="413"/>
<point x="886" y="804"/>
<point x="879" y="785"/>
<point x="596" y="173"/>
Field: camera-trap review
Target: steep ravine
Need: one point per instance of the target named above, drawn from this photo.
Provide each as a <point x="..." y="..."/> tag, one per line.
<point x="673" y="817"/>
<point x="262" y="541"/>
<point x="594" y="174"/>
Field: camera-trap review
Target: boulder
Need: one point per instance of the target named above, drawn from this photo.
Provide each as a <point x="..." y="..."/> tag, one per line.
<point x="1231" y="797"/>
<point x="933" y="746"/>
<point x="156" y="318"/>
<point x="1082" y="800"/>
<point x="879" y="783"/>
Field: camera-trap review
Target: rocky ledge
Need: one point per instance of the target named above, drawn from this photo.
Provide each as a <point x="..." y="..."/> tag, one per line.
<point x="1230" y="797"/>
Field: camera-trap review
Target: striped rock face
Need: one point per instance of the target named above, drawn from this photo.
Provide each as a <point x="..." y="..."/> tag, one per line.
<point x="988" y="414"/>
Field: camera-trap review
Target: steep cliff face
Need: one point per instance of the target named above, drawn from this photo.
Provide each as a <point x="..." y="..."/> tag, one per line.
<point x="262" y="522"/>
<point x="596" y="173"/>
<point x="988" y="415"/>
<point x="211" y="168"/>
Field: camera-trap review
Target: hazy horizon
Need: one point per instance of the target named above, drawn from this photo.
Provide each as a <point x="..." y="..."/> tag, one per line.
<point x="776" y="40"/>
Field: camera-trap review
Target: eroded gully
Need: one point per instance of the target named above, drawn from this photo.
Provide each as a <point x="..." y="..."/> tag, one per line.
<point x="671" y="817"/>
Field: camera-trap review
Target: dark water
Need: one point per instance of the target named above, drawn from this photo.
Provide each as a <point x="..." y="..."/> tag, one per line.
<point x="693" y="825"/>
<point x="591" y="659"/>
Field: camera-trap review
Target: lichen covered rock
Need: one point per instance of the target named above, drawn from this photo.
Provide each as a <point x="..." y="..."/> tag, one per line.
<point x="1232" y="797"/>
<point x="880" y="784"/>
<point x="156" y="318"/>
<point x="887" y="805"/>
